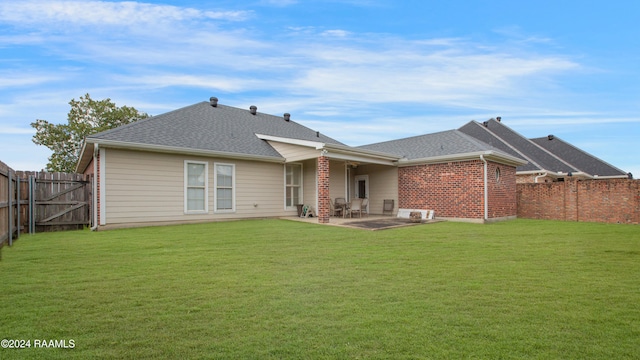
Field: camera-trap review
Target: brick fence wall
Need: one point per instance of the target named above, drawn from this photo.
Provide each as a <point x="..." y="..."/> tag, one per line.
<point x="609" y="201"/>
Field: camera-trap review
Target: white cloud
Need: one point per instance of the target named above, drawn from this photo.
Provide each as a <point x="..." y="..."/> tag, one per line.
<point x="106" y="13"/>
<point x="214" y="82"/>
<point x="336" y="33"/>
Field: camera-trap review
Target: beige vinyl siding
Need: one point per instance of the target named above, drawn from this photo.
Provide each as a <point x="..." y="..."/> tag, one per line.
<point x="309" y="182"/>
<point x="337" y="179"/>
<point x="149" y="187"/>
<point x="383" y="184"/>
<point x="293" y="153"/>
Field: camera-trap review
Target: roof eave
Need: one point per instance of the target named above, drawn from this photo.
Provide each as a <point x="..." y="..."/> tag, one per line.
<point x="488" y="155"/>
<point x="360" y="152"/>
<point x="182" y="150"/>
<point x="86" y="154"/>
<point x="337" y="151"/>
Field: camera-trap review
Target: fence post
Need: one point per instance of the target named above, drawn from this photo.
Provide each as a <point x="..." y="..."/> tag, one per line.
<point x="10" y="208"/>
<point x="32" y="204"/>
<point x="18" y="207"/>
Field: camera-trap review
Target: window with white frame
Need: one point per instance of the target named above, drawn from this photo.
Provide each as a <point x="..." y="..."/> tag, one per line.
<point x="293" y="181"/>
<point x="225" y="187"/>
<point x="196" y="187"/>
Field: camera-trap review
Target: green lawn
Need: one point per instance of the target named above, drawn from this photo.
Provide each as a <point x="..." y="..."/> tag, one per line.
<point x="274" y="289"/>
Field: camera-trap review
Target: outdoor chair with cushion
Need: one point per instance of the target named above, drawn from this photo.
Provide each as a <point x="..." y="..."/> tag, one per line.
<point x="365" y="206"/>
<point x="335" y="210"/>
<point x="355" y="206"/>
<point x="341" y="206"/>
<point x="388" y="206"/>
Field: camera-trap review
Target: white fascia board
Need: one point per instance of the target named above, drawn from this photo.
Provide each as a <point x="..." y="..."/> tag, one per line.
<point x="334" y="148"/>
<point x="488" y="155"/>
<point x="181" y="150"/>
<point x="358" y="158"/>
<point x="86" y="154"/>
<point x="318" y="145"/>
<point x="336" y="151"/>
<point x="611" y="177"/>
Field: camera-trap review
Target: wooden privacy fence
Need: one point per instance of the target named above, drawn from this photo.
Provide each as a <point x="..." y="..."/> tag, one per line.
<point x="40" y="201"/>
<point x="9" y="214"/>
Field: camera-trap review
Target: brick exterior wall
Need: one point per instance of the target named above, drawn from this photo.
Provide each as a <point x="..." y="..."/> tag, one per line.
<point x="324" y="206"/>
<point x="609" y="201"/>
<point x="502" y="191"/>
<point x="456" y="189"/>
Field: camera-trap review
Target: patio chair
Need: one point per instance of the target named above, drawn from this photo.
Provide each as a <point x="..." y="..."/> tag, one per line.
<point x="341" y="206"/>
<point x="356" y="206"/>
<point x="388" y="206"/>
<point x="365" y="206"/>
<point x="335" y="210"/>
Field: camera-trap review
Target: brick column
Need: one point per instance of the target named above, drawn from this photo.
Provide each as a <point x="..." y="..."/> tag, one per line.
<point x="323" y="190"/>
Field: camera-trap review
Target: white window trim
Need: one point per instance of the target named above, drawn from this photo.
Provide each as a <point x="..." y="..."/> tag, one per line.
<point x="284" y="200"/>
<point x="215" y="188"/>
<point x="206" y="187"/>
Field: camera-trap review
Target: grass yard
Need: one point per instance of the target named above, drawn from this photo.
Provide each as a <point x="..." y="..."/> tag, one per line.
<point x="277" y="289"/>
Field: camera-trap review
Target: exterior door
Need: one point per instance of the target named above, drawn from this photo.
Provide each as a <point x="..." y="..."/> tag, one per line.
<point x="362" y="186"/>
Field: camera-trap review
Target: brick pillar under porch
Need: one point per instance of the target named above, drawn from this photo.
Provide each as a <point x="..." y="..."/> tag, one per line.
<point x="323" y="190"/>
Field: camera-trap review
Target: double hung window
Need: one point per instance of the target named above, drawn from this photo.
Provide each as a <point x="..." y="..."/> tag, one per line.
<point x="225" y="187"/>
<point x="293" y="181"/>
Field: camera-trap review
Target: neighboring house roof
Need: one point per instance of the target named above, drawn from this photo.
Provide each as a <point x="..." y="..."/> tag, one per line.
<point x="452" y="144"/>
<point x="579" y="159"/>
<point x="556" y="157"/>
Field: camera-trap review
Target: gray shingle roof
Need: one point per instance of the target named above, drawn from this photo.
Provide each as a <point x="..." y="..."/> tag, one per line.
<point x="204" y="127"/>
<point x="543" y="154"/>
<point x="504" y="138"/>
<point x="579" y="159"/>
<point x="451" y="142"/>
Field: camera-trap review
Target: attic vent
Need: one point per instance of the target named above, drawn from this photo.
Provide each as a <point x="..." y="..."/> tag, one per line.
<point x="317" y="133"/>
<point x="550" y="137"/>
<point x="287" y="116"/>
<point x="253" y="109"/>
<point x="485" y="123"/>
<point x="499" y="118"/>
<point x="213" y="101"/>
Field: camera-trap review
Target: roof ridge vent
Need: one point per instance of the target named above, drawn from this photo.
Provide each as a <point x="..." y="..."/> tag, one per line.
<point x="287" y="117"/>
<point x="213" y="101"/>
<point x="253" y="109"/>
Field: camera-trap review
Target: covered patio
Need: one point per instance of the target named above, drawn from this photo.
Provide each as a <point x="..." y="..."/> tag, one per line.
<point x="330" y="171"/>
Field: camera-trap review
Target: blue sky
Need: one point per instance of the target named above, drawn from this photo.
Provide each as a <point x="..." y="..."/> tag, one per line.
<point x="361" y="71"/>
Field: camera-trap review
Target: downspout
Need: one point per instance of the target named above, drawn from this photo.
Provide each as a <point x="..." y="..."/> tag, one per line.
<point x="95" y="188"/>
<point x="486" y="190"/>
<point x="539" y="176"/>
